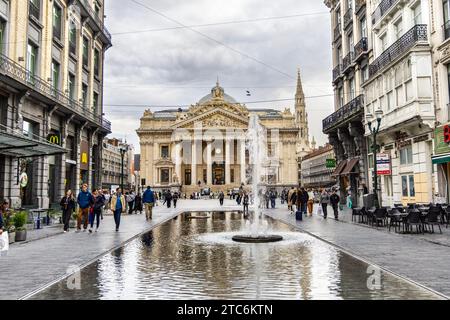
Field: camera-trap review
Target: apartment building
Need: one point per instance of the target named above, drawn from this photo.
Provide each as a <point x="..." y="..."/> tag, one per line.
<point x="51" y="98"/>
<point x="112" y="164"/>
<point x="318" y="167"/>
<point x="351" y="51"/>
<point x="399" y="92"/>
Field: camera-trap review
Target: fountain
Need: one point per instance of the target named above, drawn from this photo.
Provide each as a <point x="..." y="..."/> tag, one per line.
<point x="256" y="145"/>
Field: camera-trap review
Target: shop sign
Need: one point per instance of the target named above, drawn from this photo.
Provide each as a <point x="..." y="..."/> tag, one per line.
<point x="331" y="163"/>
<point x="54" y="138"/>
<point x="84" y="155"/>
<point x="442" y="139"/>
<point x="383" y="164"/>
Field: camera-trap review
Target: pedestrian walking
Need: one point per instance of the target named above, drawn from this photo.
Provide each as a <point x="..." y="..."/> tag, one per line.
<point x="175" y="198"/>
<point x="118" y="206"/>
<point x="291" y="199"/>
<point x="245" y="202"/>
<point x="221" y="197"/>
<point x="168" y="199"/>
<point x="85" y="201"/>
<point x="324" y="202"/>
<point x="334" y="200"/>
<point x="96" y="210"/>
<point x="311" y="197"/>
<point x="130" y="201"/>
<point x="67" y="204"/>
<point x="304" y="198"/>
<point x="273" y="198"/>
<point x="149" y="202"/>
<point x="138" y="203"/>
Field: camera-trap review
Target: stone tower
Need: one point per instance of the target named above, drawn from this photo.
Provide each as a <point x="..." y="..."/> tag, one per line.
<point x="301" y="118"/>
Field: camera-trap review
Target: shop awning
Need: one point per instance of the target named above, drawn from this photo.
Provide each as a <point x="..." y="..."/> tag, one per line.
<point x="441" y="159"/>
<point x="341" y="166"/>
<point x="14" y="144"/>
<point x="349" y="167"/>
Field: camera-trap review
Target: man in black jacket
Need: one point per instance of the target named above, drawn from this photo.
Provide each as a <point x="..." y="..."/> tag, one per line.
<point x="304" y="197"/>
<point x="334" y="200"/>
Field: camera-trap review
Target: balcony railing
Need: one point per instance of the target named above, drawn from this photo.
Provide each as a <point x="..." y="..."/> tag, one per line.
<point x="337" y="72"/>
<point x="361" y="48"/>
<point x="97" y="19"/>
<point x="406" y="42"/>
<point x="337" y="32"/>
<point x="359" y="5"/>
<point x="15" y="71"/>
<point x="382" y="9"/>
<point x="345" y="113"/>
<point x="35" y="11"/>
<point x="447" y="30"/>
<point x="348" y="18"/>
<point x="347" y="61"/>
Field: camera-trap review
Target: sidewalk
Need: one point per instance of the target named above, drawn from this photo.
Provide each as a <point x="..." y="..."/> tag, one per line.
<point x="30" y="266"/>
<point x="409" y="256"/>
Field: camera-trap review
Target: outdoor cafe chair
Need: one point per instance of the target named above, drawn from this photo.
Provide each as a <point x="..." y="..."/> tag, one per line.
<point x="357" y="213"/>
<point x="414" y="218"/>
<point x="432" y="218"/>
<point x="380" y="216"/>
<point x="395" y="219"/>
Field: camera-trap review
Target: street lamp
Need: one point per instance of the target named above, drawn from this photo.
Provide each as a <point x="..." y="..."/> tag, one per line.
<point x="123" y="151"/>
<point x="374" y="130"/>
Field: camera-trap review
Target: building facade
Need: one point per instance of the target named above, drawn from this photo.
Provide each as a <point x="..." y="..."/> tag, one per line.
<point x="112" y="164"/>
<point x="318" y="167"/>
<point x="345" y="127"/>
<point x="399" y="91"/>
<point x="51" y="98"/>
<point x="205" y="145"/>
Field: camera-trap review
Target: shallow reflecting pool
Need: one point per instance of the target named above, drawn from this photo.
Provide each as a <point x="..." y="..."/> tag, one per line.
<point x="195" y="258"/>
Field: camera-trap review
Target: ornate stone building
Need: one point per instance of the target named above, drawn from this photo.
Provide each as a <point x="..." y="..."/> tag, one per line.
<point x="204" y="146"/>
<point x="345" y="127"/>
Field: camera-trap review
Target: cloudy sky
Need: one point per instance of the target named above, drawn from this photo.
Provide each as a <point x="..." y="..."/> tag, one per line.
<point x="148" y="66"/>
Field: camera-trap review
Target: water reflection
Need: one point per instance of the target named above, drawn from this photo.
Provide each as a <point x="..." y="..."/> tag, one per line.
<point x="196" y="259"/>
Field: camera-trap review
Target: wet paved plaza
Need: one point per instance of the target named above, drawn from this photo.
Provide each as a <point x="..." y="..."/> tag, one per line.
<point x="28" y="265"/>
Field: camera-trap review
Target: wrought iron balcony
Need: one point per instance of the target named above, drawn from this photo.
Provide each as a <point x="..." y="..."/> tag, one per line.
<point x="416" y="34"/>
<point x="96" y="18"/>
<point x="348" y="17"/>
<point x="382" y="9"/>
<point x="361" y="48"/>
<point x="447" y="30"/>
<point x="344" y="114"/>
<point x="347" y="61"/>
<point x="13" y="70"/>
<point x="35" y="11"/>
<point x="337" y="32"/>
<point x="359" y="5"/>
<point x="337" y="72"/>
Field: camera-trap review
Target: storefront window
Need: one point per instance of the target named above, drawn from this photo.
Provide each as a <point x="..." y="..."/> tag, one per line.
<point x="408" y="188"/>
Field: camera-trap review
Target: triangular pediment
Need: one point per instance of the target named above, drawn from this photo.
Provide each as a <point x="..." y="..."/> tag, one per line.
<point x="214" y="118"/>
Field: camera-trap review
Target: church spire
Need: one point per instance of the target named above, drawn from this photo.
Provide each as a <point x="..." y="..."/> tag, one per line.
<point x="301" y="117"/>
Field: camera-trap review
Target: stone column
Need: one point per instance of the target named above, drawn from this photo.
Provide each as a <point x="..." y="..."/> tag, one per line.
<point x="242" y="156"/>
<point x="227" y="161"/>
<point x="194" y="163"/>
<point x="209" y="163"/>
<point x="178" y="161"/>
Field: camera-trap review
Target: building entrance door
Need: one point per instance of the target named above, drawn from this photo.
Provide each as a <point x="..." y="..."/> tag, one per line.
<point x="218" y="173"/>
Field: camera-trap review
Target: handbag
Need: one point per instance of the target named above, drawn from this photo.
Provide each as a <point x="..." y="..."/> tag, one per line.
<point x="4" y="243"/>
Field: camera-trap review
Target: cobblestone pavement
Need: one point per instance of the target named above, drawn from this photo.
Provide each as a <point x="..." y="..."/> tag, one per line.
<point x="415" y="258"/>
<point x="29" y="266"/>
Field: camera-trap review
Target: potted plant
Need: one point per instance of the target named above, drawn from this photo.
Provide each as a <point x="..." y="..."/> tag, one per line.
<point x="20" y="221"/>
<point x="9" y="227"/>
